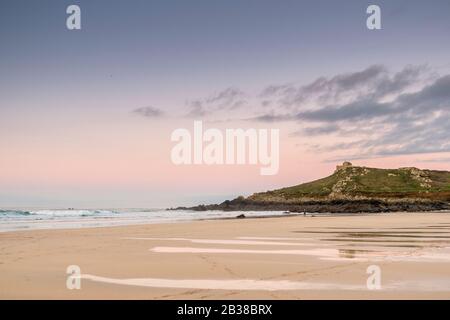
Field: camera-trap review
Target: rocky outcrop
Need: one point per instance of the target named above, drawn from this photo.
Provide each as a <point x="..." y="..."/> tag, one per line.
<point x="326" y="206"/>
<point x="353" y="189"/>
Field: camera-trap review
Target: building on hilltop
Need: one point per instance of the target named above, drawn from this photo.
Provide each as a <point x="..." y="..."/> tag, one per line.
<point x="346" y="164"/>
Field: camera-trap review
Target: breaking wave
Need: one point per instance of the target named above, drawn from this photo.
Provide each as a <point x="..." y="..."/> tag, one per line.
<point x="55" y="213"/>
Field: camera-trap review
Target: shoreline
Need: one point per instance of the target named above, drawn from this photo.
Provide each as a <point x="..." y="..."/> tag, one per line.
<point x="241" y="215"/>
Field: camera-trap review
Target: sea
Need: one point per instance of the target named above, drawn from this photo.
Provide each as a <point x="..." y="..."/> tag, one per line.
<point x="32" y="219"/>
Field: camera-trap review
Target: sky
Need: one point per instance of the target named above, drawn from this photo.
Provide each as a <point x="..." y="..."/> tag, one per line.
<point x="86" y="115"/>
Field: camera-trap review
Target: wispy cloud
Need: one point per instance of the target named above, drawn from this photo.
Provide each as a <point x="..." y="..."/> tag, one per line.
<point x="416" y="122"/>
<point x="386" y="114"/>
<point x="445" y="160"/>
<point x="369" y="113"/>
<point x="374" y="82"/>
<point x="148" y="112"/>
<point x="231" y="98"/>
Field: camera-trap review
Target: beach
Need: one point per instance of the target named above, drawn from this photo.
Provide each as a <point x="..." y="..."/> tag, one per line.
<point x="289" y="257"/>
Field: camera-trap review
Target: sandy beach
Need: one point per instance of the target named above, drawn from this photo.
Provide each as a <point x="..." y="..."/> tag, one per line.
<point x="322" y="257"/>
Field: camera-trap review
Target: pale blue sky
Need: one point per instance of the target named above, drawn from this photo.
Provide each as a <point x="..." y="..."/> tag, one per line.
<point x="163" y="54"/>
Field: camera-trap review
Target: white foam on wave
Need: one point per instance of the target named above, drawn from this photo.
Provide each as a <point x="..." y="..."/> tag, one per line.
<point x="72" y="213"/>
<point x="11" y="220"/>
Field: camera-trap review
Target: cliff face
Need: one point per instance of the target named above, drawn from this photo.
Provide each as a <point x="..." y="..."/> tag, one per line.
<point x="354" y="189"/>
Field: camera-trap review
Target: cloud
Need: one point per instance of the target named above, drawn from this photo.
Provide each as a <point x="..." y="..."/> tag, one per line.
<point x="228" y="99"/>
<point x="432" y="98"/>
<point x="337" y="89"/>
<point x="445" y="160"/>
<point x="197" y="109"/>
<point x="374" y="82"/>
<point x="271" y="117"/>
<point x="364" y="114"/>
<point x="386" y="114"/>
<point x="314" y="131"/>
<point x="358" y="110"/>
<point x="148" y="112"/>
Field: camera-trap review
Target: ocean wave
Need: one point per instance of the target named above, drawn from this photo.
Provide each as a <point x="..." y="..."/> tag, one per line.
<point x="14" y="213"/>
<point x="73" y="213"/>
<point x="30" y="219"/>
<point x="56" y="213"/>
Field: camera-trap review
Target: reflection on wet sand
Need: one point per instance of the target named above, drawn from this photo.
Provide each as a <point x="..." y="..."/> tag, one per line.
<point x="385" y="241"/>
<point x="263" y="285"/>
<point x="214" y="284"/>
<point x="353" y="253"/>
<point x="423" y="242"/>
<point x="409" y="244"/>
<point x="362" y="245"/>
<point x="330" y="243"/>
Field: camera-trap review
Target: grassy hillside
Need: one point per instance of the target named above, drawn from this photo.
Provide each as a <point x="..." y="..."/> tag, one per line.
<point x="349" y="182"/>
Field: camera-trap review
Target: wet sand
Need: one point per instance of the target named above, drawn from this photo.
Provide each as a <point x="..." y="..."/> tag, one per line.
<point x="295" y="257"/>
